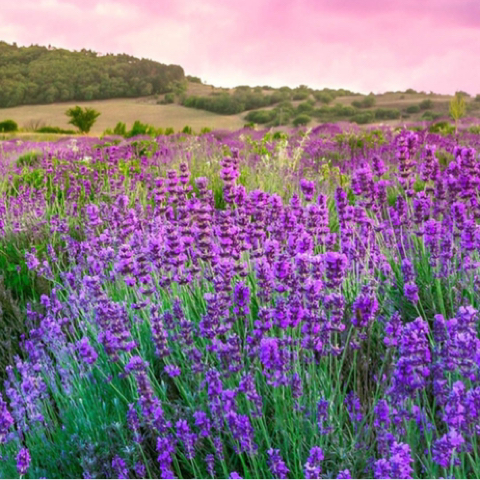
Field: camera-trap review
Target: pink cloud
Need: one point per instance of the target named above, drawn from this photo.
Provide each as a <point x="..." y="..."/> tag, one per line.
<point x="364" y="45"/>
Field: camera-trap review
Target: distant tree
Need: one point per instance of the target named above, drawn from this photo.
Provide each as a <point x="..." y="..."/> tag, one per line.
<point x="82" y="119"/>
<point x="457" y="108"/>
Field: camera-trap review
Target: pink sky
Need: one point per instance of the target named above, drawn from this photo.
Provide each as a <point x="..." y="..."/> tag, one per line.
<point x="362" y="45"/>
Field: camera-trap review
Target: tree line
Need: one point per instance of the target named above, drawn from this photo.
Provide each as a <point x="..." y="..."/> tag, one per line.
<point x="40" y="75"/>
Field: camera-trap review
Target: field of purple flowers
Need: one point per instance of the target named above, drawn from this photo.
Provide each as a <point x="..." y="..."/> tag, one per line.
<point x="241" y="305"/>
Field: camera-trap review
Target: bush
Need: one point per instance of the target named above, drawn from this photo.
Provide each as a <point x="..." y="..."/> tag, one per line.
<point x="410" y="90"/>
<point x="193" y="79"/>
<point x="300" y="94"/>
<point x="301" y="120"/>
<point x="8" y="126"/>
<point x="475" y="129"/>
<point x="444" y="127"/>
<point x="477" y="98"/>
<point x="187" y="129"/>
<point x="363" y="118"/>
<point x="365" y="102"/>
<point x="83" y="119"/>
<point x="425" y="104"/>
<point x="305" y="107"/>
<point x="223" y="103"/>
<point x="120" y="129"/>
<point x="169" y="131"/>
<point x="323" y="97"/>
<point x="139" y="128"/>
<point x="169" y="98"/>
<point x="261" y="116"/>
<point x="387" y="113"/>
<point x="412" y="109"/>
<point x="430" y="115"/>
<point x="49" y="129"/>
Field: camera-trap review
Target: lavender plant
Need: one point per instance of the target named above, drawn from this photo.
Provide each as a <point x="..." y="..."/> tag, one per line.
<point x="234" y="306"/>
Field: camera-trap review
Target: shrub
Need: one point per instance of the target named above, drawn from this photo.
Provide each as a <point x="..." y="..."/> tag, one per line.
<point x="83" y="119"/>
<point x="187" y="129"/>
<point x="49" y="129"/>
<point x="300" y="94"/>
<point x="120" y="129"/>
<point x="428" y="115"/>
<point x="365" y="102"/>
<point x="261" y="116"/>
<point x="305" y="107"/>
<point x="169" y="98"/>
<point x="8" y="126"/>
<point x="205" y="130"/>
<point x="387" y="113"/>
<point x="169" y="131"/>
<point x="475" y="129"/>
<point x="363" y="118"/>
<point x="444" y="127"/>
<point x="139" y="128"/>
<point x="301" y="120"/>
<point x="323" y="97"/>
<point x="410" y="90"/>
<point x="425" y="104"/>
<point x="193" y="79"/>
<point x="412" y="109"/>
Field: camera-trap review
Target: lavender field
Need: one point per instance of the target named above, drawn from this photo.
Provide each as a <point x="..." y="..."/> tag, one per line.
<point x="241" y="305"/>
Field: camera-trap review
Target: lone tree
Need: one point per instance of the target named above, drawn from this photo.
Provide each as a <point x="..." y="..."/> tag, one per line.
<point x="82" y="119"/>
<point x="457" y="108"/>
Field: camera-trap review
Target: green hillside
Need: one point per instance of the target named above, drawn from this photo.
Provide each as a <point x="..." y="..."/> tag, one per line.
<point x="41" y="75"/>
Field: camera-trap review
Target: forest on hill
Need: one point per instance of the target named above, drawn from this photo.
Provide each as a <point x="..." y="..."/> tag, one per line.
<point x="42" y="75"/>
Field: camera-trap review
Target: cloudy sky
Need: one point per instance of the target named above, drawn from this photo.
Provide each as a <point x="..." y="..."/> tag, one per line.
<point x="362" y="45"/>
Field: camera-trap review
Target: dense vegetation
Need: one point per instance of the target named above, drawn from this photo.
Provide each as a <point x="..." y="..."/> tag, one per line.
<point x="35" y="74"/>
<point x="241" y="305"/>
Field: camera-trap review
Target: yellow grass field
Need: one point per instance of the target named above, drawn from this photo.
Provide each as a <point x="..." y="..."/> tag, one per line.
<point x="125" y="110"/>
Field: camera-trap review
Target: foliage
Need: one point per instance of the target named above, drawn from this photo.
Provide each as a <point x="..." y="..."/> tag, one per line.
<point x="457" y="108"/>
<point x="426" y="104"/>
<point x="49" y="129"/>
<point x="366" y="102"/>
<point x="193" y="79"/>
<point x="412" y="109"/>
<point x="364" y="117"/>
<point x="169" y="98"/>
<point x="36" y="75"/>
<point x="302" y="119"/>
<point x="83" y="119"/>
<point x="29" y="159"/>
<point x="8" y="126"/>
<point x="139" y="128"/>
<point x="323" y="97"/>
<point x="444" y="128"/>
<point x="386" y="113"/>
<point x="428" y="115"/>
<point x="260" y="116"/>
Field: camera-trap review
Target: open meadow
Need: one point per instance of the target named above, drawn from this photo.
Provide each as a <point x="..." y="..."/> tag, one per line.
<point x="246" y="304"/>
